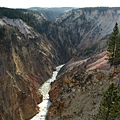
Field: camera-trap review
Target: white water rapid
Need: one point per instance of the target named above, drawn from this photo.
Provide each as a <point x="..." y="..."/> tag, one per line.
<point x="44" y="89"/>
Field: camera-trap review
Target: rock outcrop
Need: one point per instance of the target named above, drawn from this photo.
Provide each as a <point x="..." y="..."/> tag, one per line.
<point x="79" y="88"/>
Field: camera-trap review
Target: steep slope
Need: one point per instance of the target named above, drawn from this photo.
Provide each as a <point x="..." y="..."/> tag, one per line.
<point x="61" y="39"/>
<point x="29" y="54"/>
<point x="26" y="61"/>
<point x="58" y="37"/>
<point x="79" y="88"/>
<point x="32" y="46"/>
<point x="90" y="27"/>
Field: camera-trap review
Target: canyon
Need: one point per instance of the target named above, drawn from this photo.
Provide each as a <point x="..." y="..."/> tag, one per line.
<point x="31" y="47"/>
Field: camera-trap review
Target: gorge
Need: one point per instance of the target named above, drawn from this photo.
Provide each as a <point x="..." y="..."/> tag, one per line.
<point x="44" y="90"/>
<point x="31" y="46"/>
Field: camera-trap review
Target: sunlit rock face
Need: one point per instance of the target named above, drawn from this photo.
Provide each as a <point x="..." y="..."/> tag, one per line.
<point x="26" y="61"/>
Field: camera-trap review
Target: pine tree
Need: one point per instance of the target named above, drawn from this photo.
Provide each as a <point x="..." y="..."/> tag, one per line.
<point x="114" y="47"/>
<point x="117" y="52"/>
<point x="110" y="105"/>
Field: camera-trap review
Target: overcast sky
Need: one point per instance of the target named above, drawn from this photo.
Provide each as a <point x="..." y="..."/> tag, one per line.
<point x="58" y="3"/>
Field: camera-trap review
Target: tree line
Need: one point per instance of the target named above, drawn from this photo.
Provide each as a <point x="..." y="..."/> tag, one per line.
<point x="27" y="16"/>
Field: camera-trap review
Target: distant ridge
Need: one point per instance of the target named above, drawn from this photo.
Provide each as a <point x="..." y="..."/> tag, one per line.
<point x="51" y="13"/>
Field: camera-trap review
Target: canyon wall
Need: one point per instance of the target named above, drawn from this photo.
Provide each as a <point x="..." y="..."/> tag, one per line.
<point x="30" y="49"/>
<point x="25" y="63"/>
<point x="90" y="28"/>
<point x="27" y="59"/>
<point x="79" y="88"/>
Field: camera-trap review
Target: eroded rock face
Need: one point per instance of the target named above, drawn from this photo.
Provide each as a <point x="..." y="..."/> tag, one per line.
<point x="27" y="59"/>
<point x="19" y="97"/>
<point x="78" y="91"/>
<point x="25" y="63"/>
<point x="90" y="28"/>
<point x="29" y="55"/>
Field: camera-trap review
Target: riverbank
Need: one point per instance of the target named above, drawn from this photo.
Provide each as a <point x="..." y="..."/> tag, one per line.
<point x="44" y="90"/>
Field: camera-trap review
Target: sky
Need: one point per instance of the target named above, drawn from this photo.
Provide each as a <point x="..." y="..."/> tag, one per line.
<point x="58" y="3"/>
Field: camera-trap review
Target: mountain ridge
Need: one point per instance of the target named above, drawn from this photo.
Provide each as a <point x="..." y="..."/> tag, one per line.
<point x="53" y="13"/>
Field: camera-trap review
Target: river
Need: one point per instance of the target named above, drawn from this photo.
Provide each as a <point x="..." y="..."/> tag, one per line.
<point x="44" y="90"/>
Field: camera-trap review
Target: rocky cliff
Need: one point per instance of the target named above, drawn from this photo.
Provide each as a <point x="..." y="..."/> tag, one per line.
<point x="29" y="52"/>
<point x="90" y="28"/>
<point x="20" y="76"/>
<point x="30" y="49"/>
<point x="79" y="88"/>
<point x="26" y="61"/>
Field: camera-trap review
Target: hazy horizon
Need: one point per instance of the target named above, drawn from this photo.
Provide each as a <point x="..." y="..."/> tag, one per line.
<point x="57" y="3"/>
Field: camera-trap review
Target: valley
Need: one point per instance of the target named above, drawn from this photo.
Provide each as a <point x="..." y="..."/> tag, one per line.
<point x="34" y="41"/>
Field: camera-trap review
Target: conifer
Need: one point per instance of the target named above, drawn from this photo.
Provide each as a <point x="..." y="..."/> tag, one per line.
<point x="110" y="105"/>
<point x="114" y="47"/>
